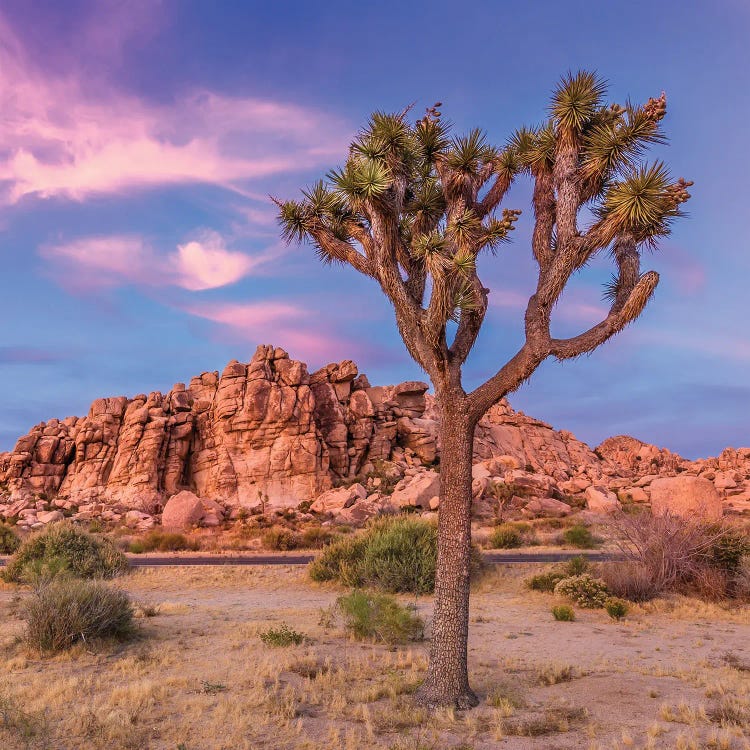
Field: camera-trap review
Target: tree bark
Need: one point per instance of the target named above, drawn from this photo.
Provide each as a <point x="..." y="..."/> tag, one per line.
<point x="447" y="681"/>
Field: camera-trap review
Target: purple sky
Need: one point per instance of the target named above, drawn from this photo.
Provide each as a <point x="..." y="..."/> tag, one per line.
<point x="139" y="141"/>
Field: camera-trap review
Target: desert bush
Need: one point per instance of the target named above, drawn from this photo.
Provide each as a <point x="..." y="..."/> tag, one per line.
<point x="9" y="541"/>
<point x="584" y="589"/>
<point x="282" y="636"/>
<point x="616" y="608"/>
<point x="563" y="613"/>
<point x="741" y="579"/>
<point x="394" y="554"/>
<point x="669" y="553"/>
<point x="162" y="541"/>
<point x="579" y="536"/>
<point x="280" y="539"/>
<point x="629" y="580"/>
<point x="547" y="580"/>
<point x="66" y="611"/>
<point x="505" y="536"/>
<point x="316" y="537"/>
<point x="62" y="546"/>
<point x="380" y="617"/>
<point x="728" y="548"/>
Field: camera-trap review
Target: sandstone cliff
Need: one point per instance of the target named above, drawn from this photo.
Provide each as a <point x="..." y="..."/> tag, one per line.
<point x="269" y="433"/>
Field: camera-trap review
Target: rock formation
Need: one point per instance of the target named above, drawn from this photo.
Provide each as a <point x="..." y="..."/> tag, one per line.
<point x="267" y="435"/>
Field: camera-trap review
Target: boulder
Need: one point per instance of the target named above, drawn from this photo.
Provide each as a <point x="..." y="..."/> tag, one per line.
<point x="600" y="500"/>
<point x="417" y="490"/>
<point x="49" y="516"/>
<point x="686" y="496"/>
<point x="546" y="507"/>
<point x="182" y="511"/>
<point x="334" y="501"/>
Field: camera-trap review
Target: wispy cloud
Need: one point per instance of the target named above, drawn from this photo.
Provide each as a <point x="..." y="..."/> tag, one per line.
<point x="24" y="355"/>
<point x="96" y="263"/>
<point x="290" y="326"/>
<point x="60" y="140"/>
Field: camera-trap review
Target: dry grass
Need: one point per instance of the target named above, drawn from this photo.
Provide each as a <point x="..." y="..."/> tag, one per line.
<point x="200" y="677"/>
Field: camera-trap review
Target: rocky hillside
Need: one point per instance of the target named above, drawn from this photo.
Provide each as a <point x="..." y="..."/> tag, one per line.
<point x="269" y="435"/>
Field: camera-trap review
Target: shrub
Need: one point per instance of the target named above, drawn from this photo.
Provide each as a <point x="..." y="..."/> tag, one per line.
<point x="68" y="610"/>
<point x="282" y="636"/>
<point x="677" y="554"/>
<point x="549" y="579"/>
<point x="505" y="536"/>
<point x="64" y="547"/>
<point x="583" y="589"/>
<point x="396" y="554"/>
<point x="563" y="613"/>
<point x="315" y="537"/>
<point x="9" y="541"/>
<point x="616" y="608"/>
<point x="579" y="536"/>
<point x="381" y="617"/>
<point x="741" y="580"/>
<point x="279" y="538"/>
<point x="728" y="549"/>
<point x="162" y="541"/>
<point x="629" y="580"/>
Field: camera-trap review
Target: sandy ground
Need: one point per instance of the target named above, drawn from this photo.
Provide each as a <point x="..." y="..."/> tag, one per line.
<point x="675" y="674"/>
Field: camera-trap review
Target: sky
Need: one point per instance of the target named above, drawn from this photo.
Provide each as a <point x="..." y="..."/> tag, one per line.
<point x="140" y="140"/>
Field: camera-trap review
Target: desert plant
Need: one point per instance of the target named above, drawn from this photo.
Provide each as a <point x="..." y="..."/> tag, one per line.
<point x="630" y="580"/>
<point x="579" y="536"/>
<point x="413" y="209"/>
<point x="66" y="611"/>
<point x="583" y="589"/>
<point x="505" y="536"/>
<point x="9" y="541"/>
<point x="394" y="554"/>
<point x="162" y="541"/>
<point x="563" y="613"/>
<point x="380" y="617"/>
<point x="64" y="546"/>
<point x="616" y="608"/>
<point x="547" y="580"/>
<point x="671" y="553"/>
<point x="280" y="539"/>
<point x="281" y="636"/>
<point x="315" y="537"/>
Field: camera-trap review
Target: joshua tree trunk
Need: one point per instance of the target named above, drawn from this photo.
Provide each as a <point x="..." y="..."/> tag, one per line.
<point x="447" y="681"/>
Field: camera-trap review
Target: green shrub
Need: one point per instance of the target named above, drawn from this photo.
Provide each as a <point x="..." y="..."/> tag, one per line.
<point x="380" y="617"/>
<point x="68" y="610"/>
<point x="162" y="541"/>
<point x="505" y="536"/>
<point x="563" y="613"/>
<point x="728" y="548"/>
<point x="576" y="565"/>
<point x="583" y="589"/>
<point x="616" y="608"/>
<point x="550" y="578"/>
<point x="394" y="554"/>
<point x="62" y="546"/>
<point x="280" y="539"/>
<point x="545" y="581"/>
<point x="579" y="536"/>
<point x="282" y="636"/>
<point x="9" y="541"/>
<point x="316" y="537"/>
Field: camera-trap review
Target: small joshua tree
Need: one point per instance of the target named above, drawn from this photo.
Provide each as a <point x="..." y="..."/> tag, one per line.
<point x="413" y="208"/>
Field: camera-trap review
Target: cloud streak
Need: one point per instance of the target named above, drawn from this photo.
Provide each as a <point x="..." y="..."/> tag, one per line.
<point x="56" y="139"/>
<point x="104" y="262"/>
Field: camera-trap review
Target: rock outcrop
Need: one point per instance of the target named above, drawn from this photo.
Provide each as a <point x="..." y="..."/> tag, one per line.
<point x="267" y="435"/>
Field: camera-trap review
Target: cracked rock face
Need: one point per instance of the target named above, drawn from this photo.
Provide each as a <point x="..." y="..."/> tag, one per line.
<point x="267" y="434"/>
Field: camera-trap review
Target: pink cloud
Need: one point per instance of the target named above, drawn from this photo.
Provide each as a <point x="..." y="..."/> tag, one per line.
<point x="289" y="326"/>
<point x="59" y="139"/>
<point x="115" y="260"/>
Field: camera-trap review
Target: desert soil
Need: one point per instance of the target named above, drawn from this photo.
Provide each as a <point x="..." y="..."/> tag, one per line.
<point x="673" y="674"/>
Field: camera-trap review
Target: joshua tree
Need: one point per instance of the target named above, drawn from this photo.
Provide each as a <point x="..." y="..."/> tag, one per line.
<point x="413" y="208"/>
